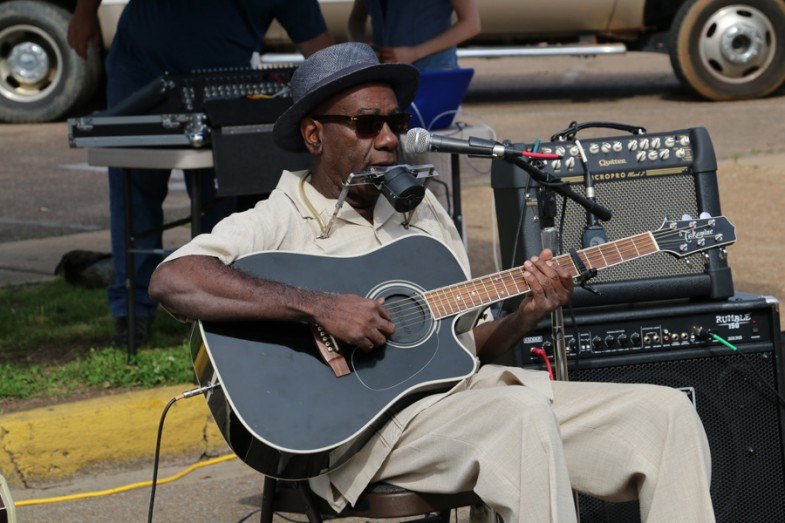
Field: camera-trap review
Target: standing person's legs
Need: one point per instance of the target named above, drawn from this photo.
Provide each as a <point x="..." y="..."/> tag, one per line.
<point x="149" y="189"/>
<point x="501" y="442"/>
<point x="636" y="441"/>
<point x="215" y="208"/>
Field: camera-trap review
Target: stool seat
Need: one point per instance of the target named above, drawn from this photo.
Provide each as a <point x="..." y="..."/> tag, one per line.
<point x="379" y="500"/>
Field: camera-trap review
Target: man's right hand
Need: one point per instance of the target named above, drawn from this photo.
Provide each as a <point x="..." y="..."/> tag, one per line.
<point x="84" y="30"/>
<point x="355" y="320"/>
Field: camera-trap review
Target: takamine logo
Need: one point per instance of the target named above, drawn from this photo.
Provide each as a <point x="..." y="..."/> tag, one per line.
<point x="615" y="161"/>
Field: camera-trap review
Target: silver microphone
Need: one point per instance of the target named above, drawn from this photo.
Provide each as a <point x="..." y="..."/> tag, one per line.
<point x="418" y="140"/>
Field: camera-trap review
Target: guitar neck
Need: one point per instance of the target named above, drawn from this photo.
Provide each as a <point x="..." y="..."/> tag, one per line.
<point x="486" y="290"/>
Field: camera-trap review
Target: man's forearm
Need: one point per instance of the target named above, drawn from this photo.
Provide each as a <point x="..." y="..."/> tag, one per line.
<point x="201" y="287"/>
<point x="494" y="338"/>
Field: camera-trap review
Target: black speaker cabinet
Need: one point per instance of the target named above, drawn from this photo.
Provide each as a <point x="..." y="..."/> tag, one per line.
<point x="744" y="422"/>
<point x="642" y="179"/>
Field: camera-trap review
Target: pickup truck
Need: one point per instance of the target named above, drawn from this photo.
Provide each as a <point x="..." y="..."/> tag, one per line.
<point x="721" y="49"/>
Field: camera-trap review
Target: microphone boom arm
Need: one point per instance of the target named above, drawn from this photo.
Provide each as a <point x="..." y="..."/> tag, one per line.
<point x="560" y="187"/>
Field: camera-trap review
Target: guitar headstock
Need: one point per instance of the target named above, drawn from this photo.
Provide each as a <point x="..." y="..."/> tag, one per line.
<point x="686" y="237"/>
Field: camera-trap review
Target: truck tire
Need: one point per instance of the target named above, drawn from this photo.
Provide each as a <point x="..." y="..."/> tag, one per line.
<point x="41" y="77"/>
<point x="729" y="49"/>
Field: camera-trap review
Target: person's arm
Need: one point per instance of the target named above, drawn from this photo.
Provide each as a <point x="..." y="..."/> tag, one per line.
<point x="83" y="28"/>
<point x="355" y="27"/>
<point x="551" y="287"/>
<point x="309" y="47"/>
<point x="202" y="287"/>
<point x="466" y="26"/>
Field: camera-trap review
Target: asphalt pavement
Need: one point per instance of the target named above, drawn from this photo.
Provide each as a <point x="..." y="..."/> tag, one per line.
<point x="52" y="202"/>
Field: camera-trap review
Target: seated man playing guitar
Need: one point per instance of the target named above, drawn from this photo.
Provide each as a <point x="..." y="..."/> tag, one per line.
<point x="518" y="440"/>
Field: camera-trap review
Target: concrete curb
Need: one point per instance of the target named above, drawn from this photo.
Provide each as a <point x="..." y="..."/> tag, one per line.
<point x="57" y="442"/>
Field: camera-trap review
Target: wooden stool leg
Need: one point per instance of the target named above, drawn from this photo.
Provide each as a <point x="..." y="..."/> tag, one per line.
<point x="310" y="507"/>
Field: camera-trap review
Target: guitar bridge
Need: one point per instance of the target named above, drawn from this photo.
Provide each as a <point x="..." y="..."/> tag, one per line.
<point x="329" y="350"/>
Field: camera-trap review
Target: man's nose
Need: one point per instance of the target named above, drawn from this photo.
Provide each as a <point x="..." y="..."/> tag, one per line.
<point x="387" y="139"/>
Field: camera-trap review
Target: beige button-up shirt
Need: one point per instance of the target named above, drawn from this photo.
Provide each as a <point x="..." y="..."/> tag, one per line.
<point x="285" y="221"/>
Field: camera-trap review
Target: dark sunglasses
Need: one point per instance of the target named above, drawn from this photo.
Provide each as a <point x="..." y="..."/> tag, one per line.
<point x="369" y="125"/>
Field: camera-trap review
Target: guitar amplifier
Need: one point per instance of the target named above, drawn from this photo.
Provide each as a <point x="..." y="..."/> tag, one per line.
<point x="642" y="179"/>
<point x="734" y="392"/>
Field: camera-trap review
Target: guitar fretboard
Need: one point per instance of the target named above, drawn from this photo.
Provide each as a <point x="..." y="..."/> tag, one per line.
<point x="483" y="291"/>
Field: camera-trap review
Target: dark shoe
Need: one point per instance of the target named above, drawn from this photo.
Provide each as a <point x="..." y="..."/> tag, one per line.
<point x="120" y="334"/>
<point x="142" y="330"/>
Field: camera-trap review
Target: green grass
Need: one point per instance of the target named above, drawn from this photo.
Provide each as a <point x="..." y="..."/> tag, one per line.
<point x="55" y="337"/>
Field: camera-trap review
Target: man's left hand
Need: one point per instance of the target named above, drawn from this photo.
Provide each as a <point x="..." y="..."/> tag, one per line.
<point x="551" y="287"/>
<point x="403" y="55"/>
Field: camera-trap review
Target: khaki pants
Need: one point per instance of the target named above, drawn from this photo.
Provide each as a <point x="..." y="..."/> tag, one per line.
<point x="522" y="454"/>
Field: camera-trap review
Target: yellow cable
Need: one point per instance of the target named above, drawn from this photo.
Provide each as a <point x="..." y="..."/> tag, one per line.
<point x="125" y="488"/>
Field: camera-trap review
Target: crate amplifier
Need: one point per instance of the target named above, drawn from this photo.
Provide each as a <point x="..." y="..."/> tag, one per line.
<point x="657" y="344"/>
<point x="642" y="179"/>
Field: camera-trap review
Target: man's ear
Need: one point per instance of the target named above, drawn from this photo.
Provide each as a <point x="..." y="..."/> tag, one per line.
<point x="311" y="131"/>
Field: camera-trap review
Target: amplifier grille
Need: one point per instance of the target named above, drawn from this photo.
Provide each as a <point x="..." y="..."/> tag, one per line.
<point x="638" y="205"/>
<point x="742" y="422"/>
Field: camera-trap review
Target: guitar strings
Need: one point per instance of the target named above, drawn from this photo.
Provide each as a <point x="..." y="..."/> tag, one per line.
<point x="411" y="307"/>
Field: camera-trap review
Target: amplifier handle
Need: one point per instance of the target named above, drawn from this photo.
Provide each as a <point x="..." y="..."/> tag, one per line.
<point x="570" y="132"/>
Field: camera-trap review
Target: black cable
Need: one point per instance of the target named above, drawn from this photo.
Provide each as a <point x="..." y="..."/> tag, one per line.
<point x="708" y="333"/>
<point x="157" y="456"/>
<point x="187" y="394"/>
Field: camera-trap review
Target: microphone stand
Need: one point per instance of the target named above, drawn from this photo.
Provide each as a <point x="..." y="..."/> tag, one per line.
<point x="549" y="236"/>
<point x="593" y="233"/>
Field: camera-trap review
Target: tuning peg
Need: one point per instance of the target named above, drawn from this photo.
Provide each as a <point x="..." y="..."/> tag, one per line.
<point x="704" y="215"/>
<point x="723" y="253"/>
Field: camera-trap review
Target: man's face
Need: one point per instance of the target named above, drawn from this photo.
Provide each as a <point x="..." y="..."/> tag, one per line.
<point x="342" y="151"/>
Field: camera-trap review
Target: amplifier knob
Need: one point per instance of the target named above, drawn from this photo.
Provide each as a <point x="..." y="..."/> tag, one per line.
<point x="569" y="163"/>
<point x="594" y="148"/>
<point x="547" y="150"/>
<point x="632" y="145"/>
<point x="644" y="143"/>
<point x="655" y="142"/>
<point x="680" y="153"/>
<point x="623" y="341"/>
<point x="560" y="150"/>
<point x="597" y="343"/>
<point x="605" y="147"/>
<point x="572" y="345"/>
<point x="665" y="154"/>
<point x="556" y="165"/>
<point x="635" y="339"/>
<point x="684" y="140"/>
<point x="640" y="156"/>
<point x="653" y="154"/>
<point x="610" y="341"/>
<point x="617" y="147"/>
<point x="574" y="151"/>
<point x="670" y="141"/>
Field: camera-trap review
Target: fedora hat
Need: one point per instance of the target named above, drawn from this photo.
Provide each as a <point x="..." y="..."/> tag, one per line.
<point x="330" y="71"/>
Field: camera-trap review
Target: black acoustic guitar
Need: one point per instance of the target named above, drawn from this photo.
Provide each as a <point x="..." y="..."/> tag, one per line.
<point x="282" y="409"/>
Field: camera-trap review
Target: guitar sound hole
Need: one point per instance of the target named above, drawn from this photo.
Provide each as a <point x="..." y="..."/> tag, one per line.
<point x="409" y="312"/>
<point x="411" y="317"/>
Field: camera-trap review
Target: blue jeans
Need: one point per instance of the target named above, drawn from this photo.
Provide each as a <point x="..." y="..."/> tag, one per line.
<point x="149" y="189"/>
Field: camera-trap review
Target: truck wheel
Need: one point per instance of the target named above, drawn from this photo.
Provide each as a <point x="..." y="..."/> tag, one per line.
<point x="729" y="50"/>
<point x="41" y="77"/>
